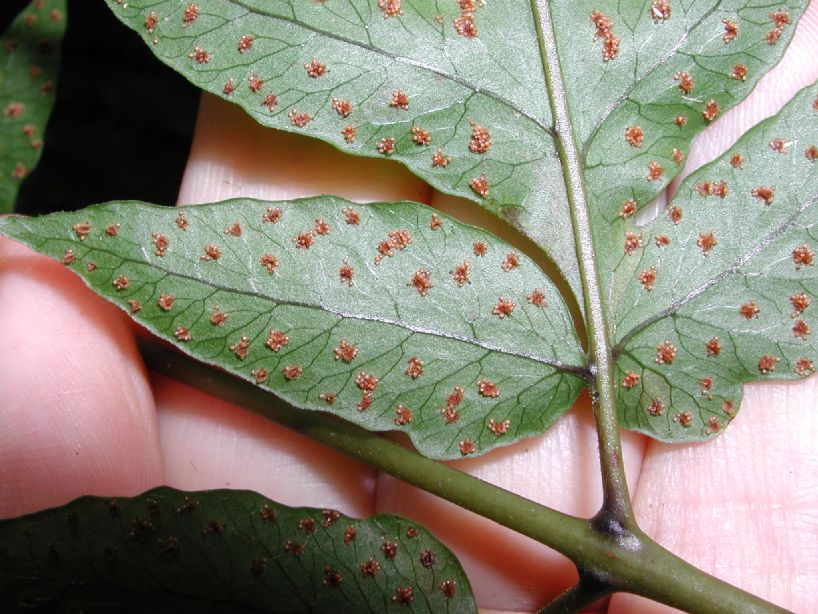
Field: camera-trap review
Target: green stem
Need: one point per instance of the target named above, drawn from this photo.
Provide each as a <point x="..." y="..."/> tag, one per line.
<point x="636" y="564"/>
<point x="616" y="514"/>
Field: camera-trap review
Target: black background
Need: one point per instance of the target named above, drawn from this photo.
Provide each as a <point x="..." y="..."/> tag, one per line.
<point x="122" y="123"/>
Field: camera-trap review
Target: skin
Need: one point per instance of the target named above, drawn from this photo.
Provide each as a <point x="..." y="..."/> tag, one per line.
<point x="80" y="415"/>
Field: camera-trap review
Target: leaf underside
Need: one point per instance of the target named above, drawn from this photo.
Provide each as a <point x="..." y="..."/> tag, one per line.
<point x="223" y="550"/>
<point x="466" y="79"/>
<point x="730" y="289"/>
<point x="641" y="80"/>
<point x="673" y="74"/>
<point x="388" y="315"/>
<point x="260" y="55"/>
<point x="29" y="62"/>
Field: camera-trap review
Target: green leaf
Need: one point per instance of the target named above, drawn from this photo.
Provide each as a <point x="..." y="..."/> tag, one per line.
<point x="368" y="57"/>
<point x="29" y="62"/>
<point x="664" y="69"/>
<point x="467" y="69"/>
<point x="222" y="550"/>
<point x="731" y="290"/>
<point x="384" y="314"/>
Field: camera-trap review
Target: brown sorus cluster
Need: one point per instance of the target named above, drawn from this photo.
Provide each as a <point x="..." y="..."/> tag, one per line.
<point x="464" y="25"/>
<point x="511" y="261"/>
<point x="634" y="135"/>
<point x="764" y="193"/>
<point x="660" y="10"/>
<point x="386" y="146"/>
<point x="706" y="241"/>
<point x="291" y="372"/>
<point x="487" y="388"/>
<point x="665" y="353"/>
<point x="480" y="139"/>
<point x="403" y="415"/>
<point x="276" y="340"/>
<point x="655" y="171"/>
<point x="439" y="159"/>
<point x="245" y="43"/>
<point x="414" y="367"/>
<point x="685" y="81"/>
<point x="390" y="8"/>
<point x="739" y="72"/>
<point x="766" y="363"/>
<point x="633" y="241"/>
<point x="480" y="185"/>
<point x="711" y="110"/>
<point x="749" y="310"/>
<point x="342" y="107"/>
<point x="504" y="307"/>
<point x="460" y="273"/>
<point x="315" y="69"/>
<point x="467" y="447"/>
<point x="604" y="30"/>
<point x="345" y="273"/>
<point x="200" y="55"/>
<point x="345" y="351"/>
<point x="713" y="347"/>
<point x="299" y="120"/>
<point x="780" y="20"/>
<point x="498" y="427"/>
<point x="630" y="380"/>
<point x="647" y="278"/>
<point x="420" y="136"/>
<point x="400" y="100"/>
<point x="730" y="30"/>
<point x="270" y="102"/>
<point x="628" y="209"/>
<point x="421" y="281"/>
<point x="537" y="298"/>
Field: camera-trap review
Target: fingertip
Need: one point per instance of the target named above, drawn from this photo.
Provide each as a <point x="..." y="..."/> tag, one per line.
<point x="77" y="412"/>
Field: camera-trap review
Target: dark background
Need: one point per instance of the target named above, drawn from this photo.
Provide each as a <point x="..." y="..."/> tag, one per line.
<point x="122" y="122"/>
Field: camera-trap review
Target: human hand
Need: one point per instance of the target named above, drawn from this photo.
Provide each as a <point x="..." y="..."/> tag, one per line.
<point x="80" y="415"/>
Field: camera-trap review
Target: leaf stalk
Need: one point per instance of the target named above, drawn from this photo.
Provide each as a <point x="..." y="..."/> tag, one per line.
<point x="616" y="513"/>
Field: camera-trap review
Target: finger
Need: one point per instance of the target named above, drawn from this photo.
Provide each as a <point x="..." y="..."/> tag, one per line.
<point x="212" y="444"/>
<point x="743" y="506"/>
<point x="77" y="413"/>
<point x="758" y="480"/>
<point x="233" y="156"/>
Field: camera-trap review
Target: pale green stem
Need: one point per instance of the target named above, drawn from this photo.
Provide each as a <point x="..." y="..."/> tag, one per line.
<point x="616" y="513"/>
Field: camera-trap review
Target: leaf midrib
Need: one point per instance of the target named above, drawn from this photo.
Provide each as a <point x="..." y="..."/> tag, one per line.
<point x="403" y="60"/>
<point x="739" y="263"/>
<point x="413" y="328"/>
